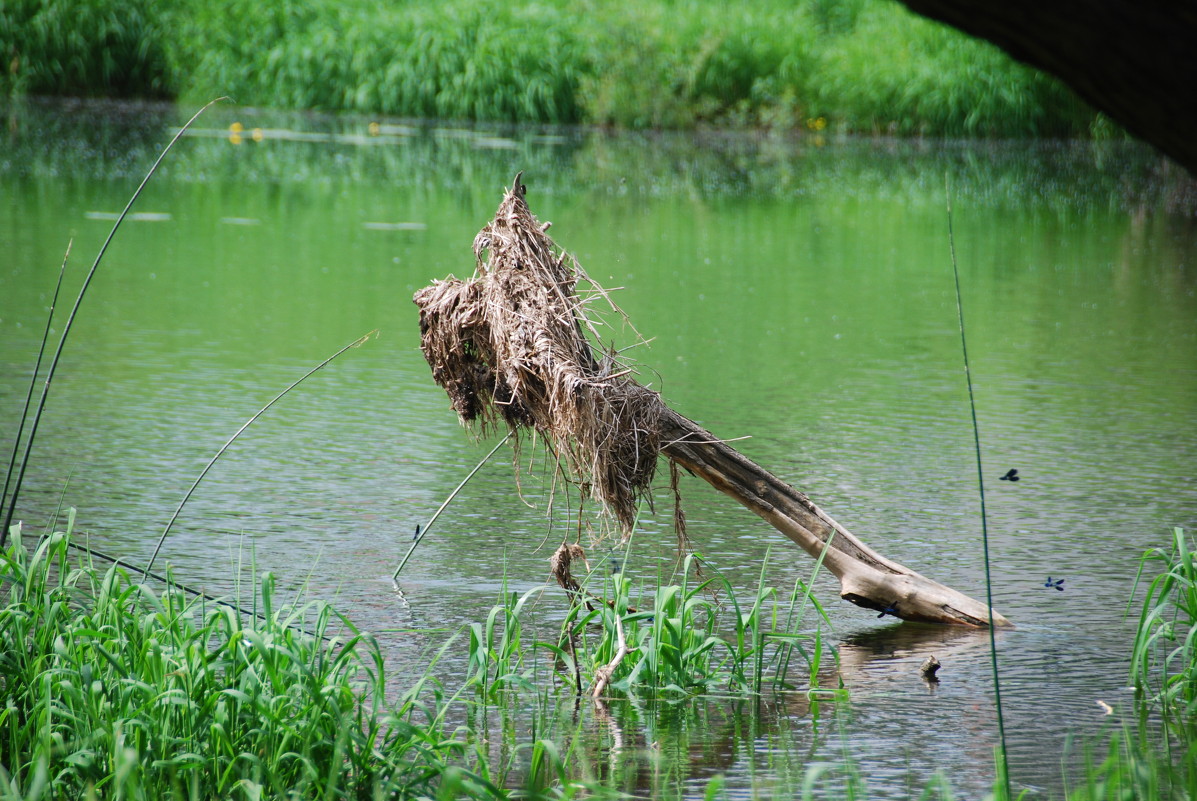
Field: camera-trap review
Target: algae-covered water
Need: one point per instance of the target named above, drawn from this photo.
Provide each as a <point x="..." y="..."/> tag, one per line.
<point x="796" y="291"/>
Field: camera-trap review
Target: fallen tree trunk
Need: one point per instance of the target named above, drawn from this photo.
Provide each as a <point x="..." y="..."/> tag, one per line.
<point x="866" y="577"/>
<point x="509" y="346"/>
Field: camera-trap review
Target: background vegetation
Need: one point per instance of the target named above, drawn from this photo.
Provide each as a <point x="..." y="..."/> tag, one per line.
<point x="857" y="65"/>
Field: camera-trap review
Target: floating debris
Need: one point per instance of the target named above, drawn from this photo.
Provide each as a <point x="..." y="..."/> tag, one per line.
<point x="136" y="216"/>
<point x="929" y="668"/>
<point x="495" y="143"/>
<point x="398" y="226"/>
<point x="396" y="130"/>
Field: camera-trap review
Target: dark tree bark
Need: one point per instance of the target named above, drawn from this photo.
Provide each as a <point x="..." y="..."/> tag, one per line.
<point x="1135" y="60"/>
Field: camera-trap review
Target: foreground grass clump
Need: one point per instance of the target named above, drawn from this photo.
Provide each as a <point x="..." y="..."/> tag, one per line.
<point x="113" y="690"/>
<point x="856" y="65"/>
<point x="686" y="639"/>
<point x="1164" y="661"/>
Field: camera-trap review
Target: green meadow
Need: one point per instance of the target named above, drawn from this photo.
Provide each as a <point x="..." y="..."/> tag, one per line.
<point x="864" y="66"/>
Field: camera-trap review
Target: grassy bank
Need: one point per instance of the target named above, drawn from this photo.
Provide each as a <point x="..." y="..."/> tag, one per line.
<point x="859" y="65"/>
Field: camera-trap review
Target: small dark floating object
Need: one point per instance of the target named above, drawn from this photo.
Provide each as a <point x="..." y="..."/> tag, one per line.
<point x="1058" y="583"/>
<point x="929" y="668"/>
<point x="1011" y="475"/>
<point x="417" y="534"/>
<point x="892" y="609"/>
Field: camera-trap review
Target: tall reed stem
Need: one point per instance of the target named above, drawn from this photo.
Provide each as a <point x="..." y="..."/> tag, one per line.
<point x="66" y="329"/>
<point x="1003" y="766"/>
<point x="37" y="368"/>
<point x="355" y="343"/>
<point x="421" y="534"/>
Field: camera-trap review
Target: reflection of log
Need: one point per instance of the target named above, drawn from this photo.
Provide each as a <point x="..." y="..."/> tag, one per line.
<point x="894" y="651"/>
<point x="866" y="578"/>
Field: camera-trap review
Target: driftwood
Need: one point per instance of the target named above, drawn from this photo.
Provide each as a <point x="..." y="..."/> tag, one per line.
<point x="510" y="348"/>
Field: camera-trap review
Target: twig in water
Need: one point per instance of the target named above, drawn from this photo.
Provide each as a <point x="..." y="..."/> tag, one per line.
<point x="602" y="676"/>
<point x="66" y="329"/>
<point x="421" y="534"/>
<point x="355" y="343"/>
<point x="37" y="368"/>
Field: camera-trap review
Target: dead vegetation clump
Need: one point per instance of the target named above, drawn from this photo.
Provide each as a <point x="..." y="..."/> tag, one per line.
<point x="510" y="344"/>
<point x="516" y="344"/>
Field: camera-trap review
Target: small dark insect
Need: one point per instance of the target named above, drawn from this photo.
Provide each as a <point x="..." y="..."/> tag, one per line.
<point x="1058" y="583"/>
<point x="616" y="565"/>
<point x="892" y="609"/>
<point x="417" y="534"/>
<point x="1011" y="475"/>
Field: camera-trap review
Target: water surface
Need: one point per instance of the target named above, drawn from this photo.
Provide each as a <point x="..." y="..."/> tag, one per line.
<point x="797" y="291"/>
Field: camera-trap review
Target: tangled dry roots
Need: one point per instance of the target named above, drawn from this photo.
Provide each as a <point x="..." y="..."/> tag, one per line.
<point x="510" y="345"/>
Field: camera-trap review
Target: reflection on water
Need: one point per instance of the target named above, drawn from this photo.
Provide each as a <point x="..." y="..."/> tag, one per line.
<point x="798" y="294"/>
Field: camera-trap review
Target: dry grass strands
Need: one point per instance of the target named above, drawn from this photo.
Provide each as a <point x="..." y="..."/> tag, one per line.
<point x="514" y="345"/>
<point x="510" y="344"/>
<point x="560" y="564"/>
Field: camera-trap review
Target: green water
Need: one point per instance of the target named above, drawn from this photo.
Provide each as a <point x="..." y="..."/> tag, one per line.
<point x="796" y="291"/>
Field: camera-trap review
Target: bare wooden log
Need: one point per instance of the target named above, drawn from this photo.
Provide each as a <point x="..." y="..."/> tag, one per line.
<point x="509" y="346"/>
<point x="866" y="577"/>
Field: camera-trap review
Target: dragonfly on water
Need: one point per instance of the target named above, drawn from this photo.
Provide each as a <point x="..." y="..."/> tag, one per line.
<point x="1058" y="583"/>
<point x="1011" y="475"/>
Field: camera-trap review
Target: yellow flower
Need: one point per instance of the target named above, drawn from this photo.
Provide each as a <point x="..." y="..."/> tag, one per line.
<point x="257" y="135"/>
<point x="375" y="129"/>
<point x="236" y="128"/>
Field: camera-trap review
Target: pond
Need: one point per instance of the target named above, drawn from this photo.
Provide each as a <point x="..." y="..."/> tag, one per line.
<point x="796" y="291"/>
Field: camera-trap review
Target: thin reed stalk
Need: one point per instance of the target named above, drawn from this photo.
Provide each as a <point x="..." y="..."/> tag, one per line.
<point x="1004" y="768"/>
<point x="178" y="510"/>
<point x="37" y="368"/>
<point x="422" y="533"/>
<point x="66" y="329"/>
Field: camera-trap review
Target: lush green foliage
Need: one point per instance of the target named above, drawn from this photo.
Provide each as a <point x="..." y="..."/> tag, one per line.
<point x="682" y="639"/>
<point x="85" y="48"/>
<point x="1140" y="762"/>
<point x="114" y="690"/>
<point x="1164" y="661"/>
<point x="858" y="65"/>
<point x="1156" y="757"/>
